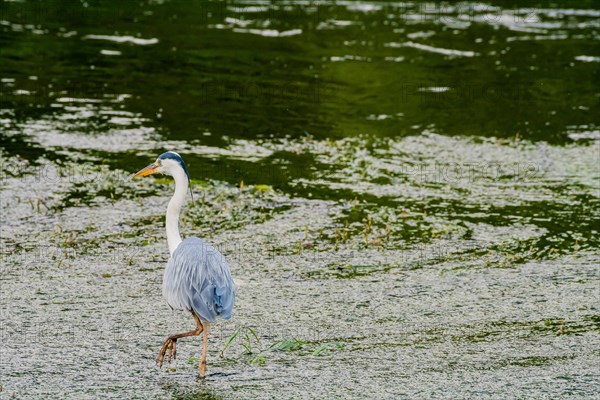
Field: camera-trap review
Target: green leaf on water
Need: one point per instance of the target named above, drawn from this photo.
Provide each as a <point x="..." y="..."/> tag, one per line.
<point x="248" y="348"/>
<point x="229" y="341"/>
<point x="258" y="360"/>
<point x="263" y="188"/>
<point x="254" y="334"/>
<point x="287" y="344"/>
<point x="325" y="346"/>
<point x="193" y="360"/>
<point x="320" y="349"/>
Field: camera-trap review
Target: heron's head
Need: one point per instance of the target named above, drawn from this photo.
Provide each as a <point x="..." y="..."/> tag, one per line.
<point x="168" y="163"/>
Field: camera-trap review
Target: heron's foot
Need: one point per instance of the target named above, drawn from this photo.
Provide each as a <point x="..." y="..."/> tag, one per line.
<point x="173" y="350"/>
<point x="202" y="368"/>
<point x="171" y="345"/>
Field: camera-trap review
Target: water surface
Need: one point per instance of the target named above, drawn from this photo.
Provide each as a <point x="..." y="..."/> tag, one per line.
<point x="407" y="193"/>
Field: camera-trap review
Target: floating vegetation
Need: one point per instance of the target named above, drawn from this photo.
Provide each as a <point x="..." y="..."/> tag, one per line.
<point x="252" y="346"/>
<point x="225" y="207"/>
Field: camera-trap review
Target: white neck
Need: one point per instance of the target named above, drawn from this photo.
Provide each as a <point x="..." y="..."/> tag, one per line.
<point x="175" y="204"/>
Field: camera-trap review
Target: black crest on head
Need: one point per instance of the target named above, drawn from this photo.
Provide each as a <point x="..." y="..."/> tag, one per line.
<point x="171" y="155"/>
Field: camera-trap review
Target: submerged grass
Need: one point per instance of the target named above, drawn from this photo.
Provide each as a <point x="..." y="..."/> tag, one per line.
<point x="257" y="352"/>
<point x="218" y="207"/>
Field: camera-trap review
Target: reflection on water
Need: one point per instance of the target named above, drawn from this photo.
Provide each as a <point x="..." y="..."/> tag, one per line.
<point x="242" y="70"/>
<point x="416" y="182"/>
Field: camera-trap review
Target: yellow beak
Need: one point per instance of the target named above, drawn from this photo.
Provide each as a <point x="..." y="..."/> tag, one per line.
<point x="149" y="170"/>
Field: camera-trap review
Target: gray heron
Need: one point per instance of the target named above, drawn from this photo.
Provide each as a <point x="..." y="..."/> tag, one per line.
<point x="197" y="277"/>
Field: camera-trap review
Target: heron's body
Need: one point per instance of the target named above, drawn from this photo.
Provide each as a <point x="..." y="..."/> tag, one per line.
<point x="197" y="277"/>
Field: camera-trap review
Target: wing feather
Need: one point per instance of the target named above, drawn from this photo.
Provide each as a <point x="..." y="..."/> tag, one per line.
<point x="197" y="278"/>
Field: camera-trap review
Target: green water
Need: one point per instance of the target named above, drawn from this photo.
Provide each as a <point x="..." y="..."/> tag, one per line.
<point x="407" y="193"/>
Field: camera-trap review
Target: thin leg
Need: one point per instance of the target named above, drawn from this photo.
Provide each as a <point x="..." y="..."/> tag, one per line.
<point x="204" y="343"/>
<point x="171" y="342"/>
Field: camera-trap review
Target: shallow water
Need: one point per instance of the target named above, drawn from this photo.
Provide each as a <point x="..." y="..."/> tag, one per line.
<point x="407" y="194"/>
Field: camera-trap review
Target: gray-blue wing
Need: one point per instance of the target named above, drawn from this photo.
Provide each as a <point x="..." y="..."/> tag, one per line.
<point x="197" y="278"/>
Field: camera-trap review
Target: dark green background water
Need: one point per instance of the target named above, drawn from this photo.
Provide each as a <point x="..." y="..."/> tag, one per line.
<point x="524" y="78"/>
<point x="434" y="166"/>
